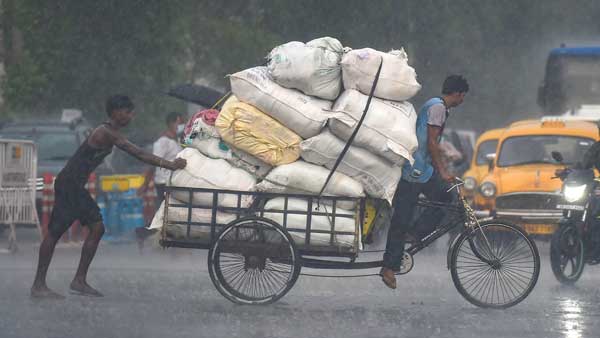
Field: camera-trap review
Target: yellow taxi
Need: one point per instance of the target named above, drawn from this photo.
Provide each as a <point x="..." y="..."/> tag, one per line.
<point x="479" y="167"/>
<point x="521" y="186"/>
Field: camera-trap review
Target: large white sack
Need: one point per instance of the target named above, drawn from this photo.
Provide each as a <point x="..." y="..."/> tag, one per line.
<point x="397" y="80"/>
<point x="305" y="178"/>
<point x="314" y="68"/>
<point x="299" y="112"/>
<point x="295" y="221"/>
<point x="180" y="214"/>
<point x="378" y="176"/>
<point x="204" y="172"/>
<point x="389" y="129"/>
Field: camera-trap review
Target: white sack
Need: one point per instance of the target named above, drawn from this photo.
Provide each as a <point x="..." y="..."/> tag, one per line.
<point x="317" y="222"/>
<point x="389" y="129"/>
<point x="180" y="214"/>
<point x="211" y="147"/>
<point x="204" y="172"/>
<point x="249" y="163"/>
<point x="397" y="80"/>
<point x="378" y="176"/>
<point x="314" y="68"/>
<point x="215" y="148"/>
<point x="299" y="112"/>
<point x="305" y="178"/>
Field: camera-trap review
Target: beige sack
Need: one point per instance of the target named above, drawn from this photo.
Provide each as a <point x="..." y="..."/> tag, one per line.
<point x="247" y="128"/>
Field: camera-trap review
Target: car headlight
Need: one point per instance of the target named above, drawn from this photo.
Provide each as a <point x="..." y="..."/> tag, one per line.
<point x="470" y="183"/>
<point x="488" y="189"/>
<point x="574" y="193"/>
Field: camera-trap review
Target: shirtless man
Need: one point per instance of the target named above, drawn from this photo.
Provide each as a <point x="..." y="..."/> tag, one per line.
<point x="73" y="202"/>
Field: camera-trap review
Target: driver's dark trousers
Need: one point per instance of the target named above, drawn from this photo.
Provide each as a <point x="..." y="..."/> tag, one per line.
<point x="403" y="219"/>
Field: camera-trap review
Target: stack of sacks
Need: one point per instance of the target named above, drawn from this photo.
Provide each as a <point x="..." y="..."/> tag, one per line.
<point x="305" y="178"/>
<point x="301" y="113"/>
<point x="247" y="128"/>
<point x="397" y="80"/>
<point x="295" y="221"/>
<point x="378" y="176"/>
<point x="313" y="68"/>
<point x="200" y="133"/>
<point x="274" y="108"/>
<point x="180" y="214"/>
<point x="389" y="129"/>
<point x="205" y="172"/>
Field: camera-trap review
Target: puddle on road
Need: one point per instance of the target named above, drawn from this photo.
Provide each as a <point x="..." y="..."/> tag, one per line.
<point x="572" y="318"/>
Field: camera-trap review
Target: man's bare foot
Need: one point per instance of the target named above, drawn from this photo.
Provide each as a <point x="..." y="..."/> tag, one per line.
<point x="83" y="289"/>
<point x="43" y="292"/>
<point x="388" y="277"/>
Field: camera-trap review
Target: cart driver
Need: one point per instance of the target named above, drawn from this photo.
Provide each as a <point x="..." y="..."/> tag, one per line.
<point x="428" y="175"/>
<point x="73" y="202"/>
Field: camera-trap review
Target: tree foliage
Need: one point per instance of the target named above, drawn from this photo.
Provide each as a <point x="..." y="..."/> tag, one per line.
<point x="77" y="52"/>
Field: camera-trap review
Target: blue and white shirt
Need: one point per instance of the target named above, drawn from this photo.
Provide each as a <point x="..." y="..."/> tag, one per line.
<point x="434" y="113"/>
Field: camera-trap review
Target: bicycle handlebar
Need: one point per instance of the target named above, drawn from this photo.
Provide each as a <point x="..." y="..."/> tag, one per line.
<point x="456" y="185"/>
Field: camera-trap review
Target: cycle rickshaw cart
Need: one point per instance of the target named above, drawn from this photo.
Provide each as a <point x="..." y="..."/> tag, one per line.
<point x="257" y="257"/>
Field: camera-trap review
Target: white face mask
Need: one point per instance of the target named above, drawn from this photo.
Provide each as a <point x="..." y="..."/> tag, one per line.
<point x="180" y="128"/>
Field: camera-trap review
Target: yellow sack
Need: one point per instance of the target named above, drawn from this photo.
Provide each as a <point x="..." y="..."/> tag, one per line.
<point x="247" y="128"/>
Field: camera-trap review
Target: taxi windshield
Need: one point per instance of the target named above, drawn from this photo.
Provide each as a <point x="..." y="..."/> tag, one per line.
<point x="537" y="149"/>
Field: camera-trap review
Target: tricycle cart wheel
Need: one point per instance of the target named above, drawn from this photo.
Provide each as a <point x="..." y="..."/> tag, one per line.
<point x="253" y="261"/>
<point x="494" y="264"/>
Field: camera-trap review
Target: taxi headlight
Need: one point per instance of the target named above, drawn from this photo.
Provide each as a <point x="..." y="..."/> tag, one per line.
<point x="488" y="189"/>
<point x="574" y="193"/>
<point x="470" y="183"/>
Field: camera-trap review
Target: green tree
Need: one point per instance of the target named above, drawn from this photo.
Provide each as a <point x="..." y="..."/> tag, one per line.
<point x="78" y="52"/>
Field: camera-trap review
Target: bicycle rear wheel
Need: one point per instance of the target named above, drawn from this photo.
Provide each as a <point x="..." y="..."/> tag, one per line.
<point x="495" y="265"/>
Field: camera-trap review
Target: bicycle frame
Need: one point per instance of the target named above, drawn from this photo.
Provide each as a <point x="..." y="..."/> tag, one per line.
<point x="449" y="208"/>
<point x="463" y="214"/>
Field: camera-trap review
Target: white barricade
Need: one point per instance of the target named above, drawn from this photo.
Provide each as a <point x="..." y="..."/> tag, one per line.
<point x="18" y="181"/>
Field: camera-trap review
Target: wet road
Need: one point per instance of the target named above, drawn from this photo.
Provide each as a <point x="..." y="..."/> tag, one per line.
<point x="169" y="294"/>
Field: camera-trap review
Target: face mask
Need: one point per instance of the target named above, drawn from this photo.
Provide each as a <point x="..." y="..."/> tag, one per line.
<point x="180" y="128"/>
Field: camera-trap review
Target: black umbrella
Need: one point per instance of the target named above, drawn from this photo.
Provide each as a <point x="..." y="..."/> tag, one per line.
<point x="198" y="94"/>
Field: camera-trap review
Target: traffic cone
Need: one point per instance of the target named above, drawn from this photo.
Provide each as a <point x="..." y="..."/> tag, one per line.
<point x="47" y="201"/>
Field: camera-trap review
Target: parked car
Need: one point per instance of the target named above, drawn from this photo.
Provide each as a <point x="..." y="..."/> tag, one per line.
<point x="520" y="186"/>
<point x="57" y="142"/>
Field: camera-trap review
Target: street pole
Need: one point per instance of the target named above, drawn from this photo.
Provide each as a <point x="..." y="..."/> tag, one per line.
<point x="2" y="56"/>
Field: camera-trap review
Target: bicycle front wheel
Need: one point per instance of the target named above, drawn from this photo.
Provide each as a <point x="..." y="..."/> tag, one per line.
<point x="495" y="265"/>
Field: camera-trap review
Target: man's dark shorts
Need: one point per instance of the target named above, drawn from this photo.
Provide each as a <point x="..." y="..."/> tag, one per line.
<point x="72" y="202"/>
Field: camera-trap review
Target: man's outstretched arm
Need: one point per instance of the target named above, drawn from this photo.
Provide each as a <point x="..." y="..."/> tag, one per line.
<point x="124" y="144"/>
